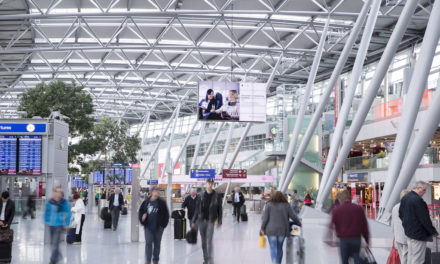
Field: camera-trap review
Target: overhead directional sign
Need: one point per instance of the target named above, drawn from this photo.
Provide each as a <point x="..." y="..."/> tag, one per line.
<point x="234" y="174"/>
<point x="153" y="182"/>
<point x="22" y="128"/>
<point x="202" y="174"/>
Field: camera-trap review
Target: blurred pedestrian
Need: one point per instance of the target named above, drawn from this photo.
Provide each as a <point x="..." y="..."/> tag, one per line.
<point x="116" y="200"/>
<point x="79" y="216"/>
<point x="57" y="216"/>
<point x="294" y="201"/>
<point x="190" y="203"/>
<point x="208" y="212"/>
<point x="416" y="222"/>
<point x="275" y="224"/>
<point x="154" y="216"/>
<point x="350" y="224"/>
<point x="308" y="200"/>
<point x="237" y="202"/>
<point x="30" y="206"/>
<point x="7" y="211"/>
<point x="400" y="238"/>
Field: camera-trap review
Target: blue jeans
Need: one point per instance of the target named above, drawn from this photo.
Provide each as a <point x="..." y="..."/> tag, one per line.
<point x="152" y="237"/>
<point x="55" y="239"/>
<point x="350" y="248"/>
<point x="276" y="248"/>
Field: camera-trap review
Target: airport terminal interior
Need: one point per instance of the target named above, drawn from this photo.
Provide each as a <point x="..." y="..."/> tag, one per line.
<point x="175" y="131"/>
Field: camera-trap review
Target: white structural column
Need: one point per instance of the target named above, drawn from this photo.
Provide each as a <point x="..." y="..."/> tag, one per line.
<point x="305" y="99"/>
<point x="185" y="143"/>
<point x="326" y="94"/>
<point x="211" y="144"/>
<point x="158" y="145"/>
<point x="411" y="107"/>
<point x="167" y="166"/>
<point x="234" y="156"/>
<point x="199" y="141"/>
<point x="382" y="67"/>
<point x="225" y="152"/>
<point x="144" y="135"/>
<point x="350" y="91"/>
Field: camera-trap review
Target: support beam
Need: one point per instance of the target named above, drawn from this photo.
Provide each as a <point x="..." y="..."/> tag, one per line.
<point x="371" y="92"/>
<point x="411" y="108"/>
<point x="333" y="79"/>
<point x="234" y="156"/>
<point x="302" y="110"/>
<point x="199" y="141"/>
<point x="211" y="144"/>
<point x="225" y="153"/>
<point x="158" y="145"/>
<point x="349" y="95"/>
<point x="167" y="165"/>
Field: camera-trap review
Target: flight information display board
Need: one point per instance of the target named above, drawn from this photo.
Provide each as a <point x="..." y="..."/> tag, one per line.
<point x="29" y="161"/>
<point x="8" y="155"/>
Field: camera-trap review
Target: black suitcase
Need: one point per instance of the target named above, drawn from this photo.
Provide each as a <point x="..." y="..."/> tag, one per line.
<point x="191" y="236"/>
<point x="179" y="228"/>
<point x="71" y="236"/>
<point x="244" y="217"/>
<point x="104" y="212"/>
<point x="5" y="252"/>
<point x="108" y="221"/>
<point x="178" y="214"/>
<point x="124" y="211"/>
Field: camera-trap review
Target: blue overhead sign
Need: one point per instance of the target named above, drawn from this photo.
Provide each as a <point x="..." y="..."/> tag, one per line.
<point x="202" y="174"/>
<point x="153" y="182"/>
<point x="22" y="128"/>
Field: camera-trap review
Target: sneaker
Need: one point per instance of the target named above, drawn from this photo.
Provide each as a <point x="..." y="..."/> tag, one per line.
<point x="76" y="243"/>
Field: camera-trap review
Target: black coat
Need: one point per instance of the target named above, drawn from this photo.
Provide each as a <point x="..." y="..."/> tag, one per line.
<point x="164" y="215"/>
<point x="415" y="218"/>
<point x="191" y="204"/>
<point x="215" y="208"/>
<point x="112" y="199"/>
<point x="9" y="211"/>
<point x="241" y="198"/>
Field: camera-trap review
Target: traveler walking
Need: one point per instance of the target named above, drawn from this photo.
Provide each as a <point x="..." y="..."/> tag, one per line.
<point x="57" y="216"/>
<point x="115" y="206"/>
<point x="208" y="211"/>
<point x="237" y="202"/>
<point x="416" y="223"/>
<point x="154" y="216"/>
<point x="400" y="238"/>
<point x="7" y="210"/>
<point x="308" y="200"/>
<point x="294" y="201"/>
<point x="30" y="206"/>
<point x="350" y="224"/>
<point x="275" y="224"/>
<point x="79" y="215"/>
<point x="190" y="204"/>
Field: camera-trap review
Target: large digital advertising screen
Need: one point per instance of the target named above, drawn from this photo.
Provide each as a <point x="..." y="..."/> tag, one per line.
<point x="231" y="101"/>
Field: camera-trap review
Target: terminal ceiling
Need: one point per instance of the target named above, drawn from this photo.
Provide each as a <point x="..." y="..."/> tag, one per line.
<point x="135" y="56"/>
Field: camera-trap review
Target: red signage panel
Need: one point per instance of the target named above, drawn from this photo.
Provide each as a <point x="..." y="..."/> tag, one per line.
<point x="234" y="174"/>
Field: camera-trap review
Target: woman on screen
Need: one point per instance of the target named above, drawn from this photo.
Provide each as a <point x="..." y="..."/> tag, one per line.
<point x="230" y="111"/>
<point x="209" y="105"/>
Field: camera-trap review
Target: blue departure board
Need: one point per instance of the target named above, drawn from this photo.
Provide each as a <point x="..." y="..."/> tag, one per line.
<point x="8" y="155"/>
<point x="128" y="176"/>
<point x="29" y="161"/>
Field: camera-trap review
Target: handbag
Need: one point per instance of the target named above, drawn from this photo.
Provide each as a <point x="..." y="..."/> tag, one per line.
<point x="6" y="235"/>
<point x="367" y="257"/>
<point x="262" y="242"/>
<point x="393" y="258"/>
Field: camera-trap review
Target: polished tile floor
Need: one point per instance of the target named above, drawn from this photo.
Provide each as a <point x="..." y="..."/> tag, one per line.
<point x="234" y="243"/>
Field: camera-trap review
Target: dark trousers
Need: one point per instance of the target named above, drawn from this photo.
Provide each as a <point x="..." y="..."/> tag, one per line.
<point x="350" y="248"/>
<point x="152" y="243"/>
<point x="78" y="236"/>
<point x="206" y="233"/>
<point x="29" y="211"/>
<point x="237" y="208"/>
<point x="55" y="239"/>
<point x="115" y="216"/>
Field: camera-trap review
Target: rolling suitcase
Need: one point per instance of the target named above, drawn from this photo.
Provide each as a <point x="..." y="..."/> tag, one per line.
<point x="124" y="211"/>
<point x="243" y="214"/>
<point x="178" y="214"/>
<point x="179" y="228"/>
<point x="5" y="253"/>
<point x="71" y="236"/>
<point x="191" y="236"/>
<point x="108" y="221"/>
<point x="104" y="212"/>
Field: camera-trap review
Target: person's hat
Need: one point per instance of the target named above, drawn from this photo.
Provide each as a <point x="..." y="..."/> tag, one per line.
<point x="155" y="188"/>
<point x="210" y="180"/>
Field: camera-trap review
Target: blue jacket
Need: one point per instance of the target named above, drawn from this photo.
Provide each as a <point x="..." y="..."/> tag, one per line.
<point x="57" y="213"/>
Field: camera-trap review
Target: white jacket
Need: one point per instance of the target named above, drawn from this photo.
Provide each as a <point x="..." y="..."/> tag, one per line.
<point x="396" y="225"/>
<point x="78" y="210"/>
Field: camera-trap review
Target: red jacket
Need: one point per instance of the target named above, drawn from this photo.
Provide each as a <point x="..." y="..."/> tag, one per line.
<point x="349" y="221"/>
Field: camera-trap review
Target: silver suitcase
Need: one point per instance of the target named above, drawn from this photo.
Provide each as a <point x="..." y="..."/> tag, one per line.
<point x="295" y="250"/>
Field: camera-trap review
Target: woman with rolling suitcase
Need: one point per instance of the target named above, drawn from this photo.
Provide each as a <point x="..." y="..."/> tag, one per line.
<point x="275" y="224"/>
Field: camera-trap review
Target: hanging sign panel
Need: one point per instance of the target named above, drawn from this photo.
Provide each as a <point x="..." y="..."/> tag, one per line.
<point x="22" y="128"/>
<point x="202" y="174"/>
<point x="234" y="174"/>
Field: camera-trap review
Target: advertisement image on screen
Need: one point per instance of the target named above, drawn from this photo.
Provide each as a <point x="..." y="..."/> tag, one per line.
<point x="8" y="155"/>
<point x="29" y="161"/>
<point x="230" y="101"/>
